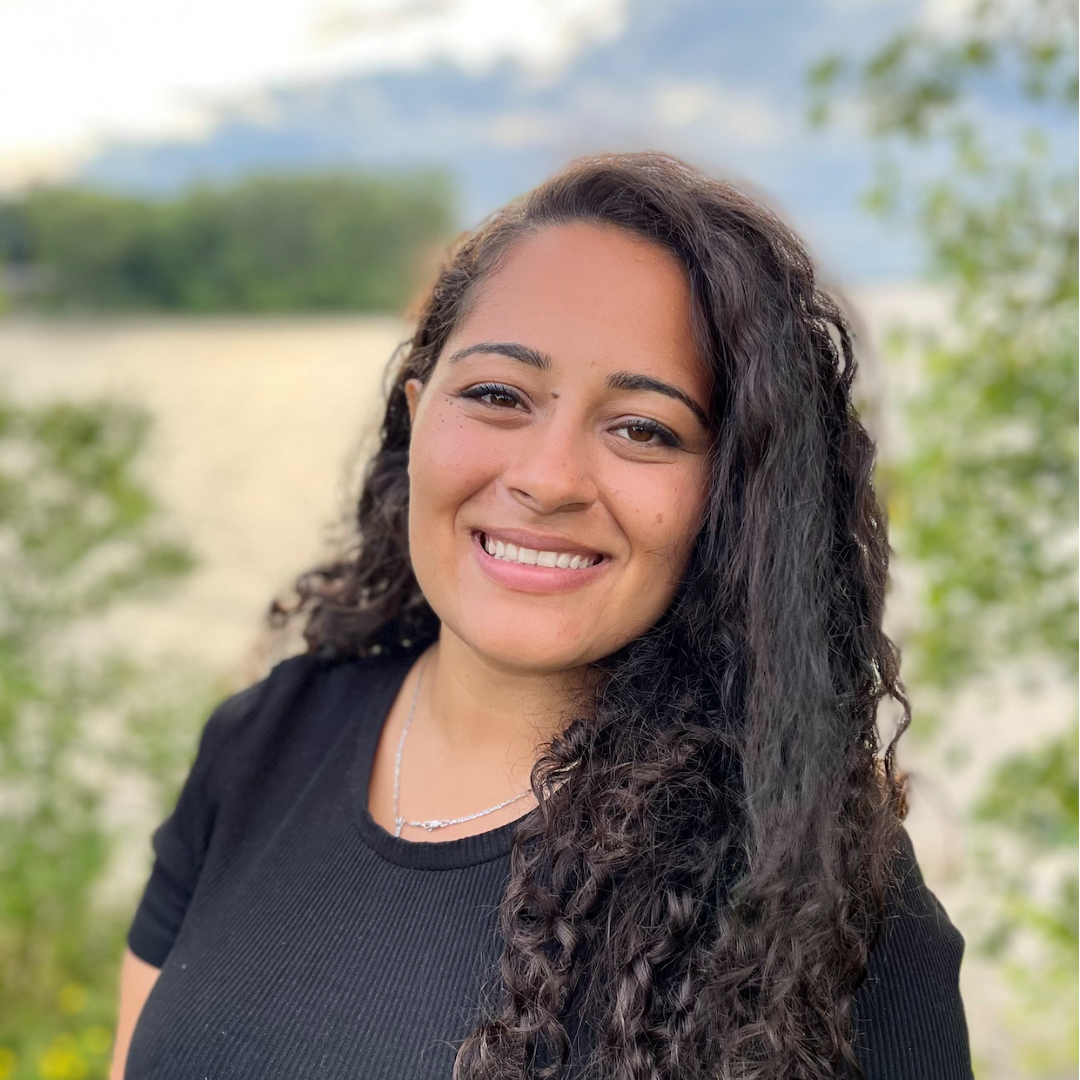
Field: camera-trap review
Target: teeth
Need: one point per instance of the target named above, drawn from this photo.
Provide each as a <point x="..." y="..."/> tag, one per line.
<point x="532" y="557"/>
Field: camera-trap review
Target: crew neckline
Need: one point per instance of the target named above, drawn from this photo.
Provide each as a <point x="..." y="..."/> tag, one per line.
<point x="388" y="675"/>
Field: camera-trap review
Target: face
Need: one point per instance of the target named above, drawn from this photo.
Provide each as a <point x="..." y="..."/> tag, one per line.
<point x="558" y="457"/>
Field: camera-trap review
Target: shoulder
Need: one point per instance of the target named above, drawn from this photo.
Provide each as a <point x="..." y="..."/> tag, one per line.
<point x="258" y="748"/>
<point x="909" y="1015"/>
<point x="243" y="716"/>
<point x="913" y="913"/>
<point x="292" y="716"/>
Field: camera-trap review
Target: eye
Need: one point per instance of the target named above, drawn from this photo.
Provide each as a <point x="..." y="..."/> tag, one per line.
<point x="494" y="394"/>
<point x="642" y="432"/>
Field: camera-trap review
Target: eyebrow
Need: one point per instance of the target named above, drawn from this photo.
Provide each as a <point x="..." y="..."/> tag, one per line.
<point x="625" y="380"/>
<point x="617" y="380"/>
<point x="525" y="353"/>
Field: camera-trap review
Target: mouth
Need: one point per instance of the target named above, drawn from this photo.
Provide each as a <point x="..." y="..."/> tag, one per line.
<point x="527" y="562"/>
<point x="569" y="558"/>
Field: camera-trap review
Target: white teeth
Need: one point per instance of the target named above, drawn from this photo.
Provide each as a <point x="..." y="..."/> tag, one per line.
<point x="532" y="557"/>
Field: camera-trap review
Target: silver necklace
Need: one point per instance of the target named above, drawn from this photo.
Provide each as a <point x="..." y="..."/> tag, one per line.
<point x="436" y="823"/>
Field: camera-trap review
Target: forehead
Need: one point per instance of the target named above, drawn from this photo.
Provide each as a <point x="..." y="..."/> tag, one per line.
<point x="591" y="295"/>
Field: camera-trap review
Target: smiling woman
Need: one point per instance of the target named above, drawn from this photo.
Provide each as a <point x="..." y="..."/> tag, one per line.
<point x="580" y="776"/>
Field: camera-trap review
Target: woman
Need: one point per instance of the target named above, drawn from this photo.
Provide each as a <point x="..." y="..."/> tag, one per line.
<point x="580" y="774"/>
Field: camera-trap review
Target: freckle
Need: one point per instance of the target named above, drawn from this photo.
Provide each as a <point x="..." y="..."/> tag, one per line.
<point x="659" y="519"/>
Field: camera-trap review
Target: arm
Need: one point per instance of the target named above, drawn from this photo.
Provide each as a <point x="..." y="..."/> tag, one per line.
<point x="137" y="979"/>
<point x="180" y="845"/>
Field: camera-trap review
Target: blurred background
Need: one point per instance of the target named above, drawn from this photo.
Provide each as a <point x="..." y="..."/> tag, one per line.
<point x="214" y="215"/>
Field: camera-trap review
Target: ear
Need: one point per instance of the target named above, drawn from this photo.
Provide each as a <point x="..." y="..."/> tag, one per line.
<point x="413" y="388"/>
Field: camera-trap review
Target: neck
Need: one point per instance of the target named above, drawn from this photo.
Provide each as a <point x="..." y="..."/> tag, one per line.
<point x="475" y="704"/>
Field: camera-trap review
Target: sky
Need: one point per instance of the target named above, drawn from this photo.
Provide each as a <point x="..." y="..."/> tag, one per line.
<point x="152" y="97"/>
<point x="84" y="74"/>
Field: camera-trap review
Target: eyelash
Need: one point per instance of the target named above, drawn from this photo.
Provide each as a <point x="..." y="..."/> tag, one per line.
<point x="482" y="390"/>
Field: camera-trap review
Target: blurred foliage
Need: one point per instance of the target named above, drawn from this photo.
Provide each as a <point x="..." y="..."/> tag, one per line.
<point x="80" y="729"/>
<point x="975" y="132"/>
<point x="339" y="242"/>
<point x="1031" y="803"/>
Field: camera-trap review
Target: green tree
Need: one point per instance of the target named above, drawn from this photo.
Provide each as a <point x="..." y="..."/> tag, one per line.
<point x="78" y="532"/>
<point x="974" y="129"/>
<point x="335" y="242"/>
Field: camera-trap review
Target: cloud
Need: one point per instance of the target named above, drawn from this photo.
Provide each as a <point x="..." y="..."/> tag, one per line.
<point x="84" y="74"/>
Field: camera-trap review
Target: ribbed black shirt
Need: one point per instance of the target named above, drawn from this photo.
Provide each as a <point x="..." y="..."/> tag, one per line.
<point x="297" y="938"/>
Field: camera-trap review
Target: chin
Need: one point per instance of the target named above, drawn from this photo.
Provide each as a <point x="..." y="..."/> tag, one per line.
<point x="513" y="643"/>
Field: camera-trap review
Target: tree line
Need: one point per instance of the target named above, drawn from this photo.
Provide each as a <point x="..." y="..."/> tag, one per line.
<point x="325" y="242"/>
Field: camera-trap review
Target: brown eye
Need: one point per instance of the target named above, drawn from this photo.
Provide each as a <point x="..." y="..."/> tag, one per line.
<point x="493" y="394"/>
<point x="648" y="433"/>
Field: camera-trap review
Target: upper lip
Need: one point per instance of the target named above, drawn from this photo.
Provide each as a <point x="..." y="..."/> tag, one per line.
<point x="538" y="541"/>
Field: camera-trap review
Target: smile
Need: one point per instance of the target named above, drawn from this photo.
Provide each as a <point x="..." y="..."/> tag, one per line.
<point x="521" y="567"/>
<point x="562" y="560"/>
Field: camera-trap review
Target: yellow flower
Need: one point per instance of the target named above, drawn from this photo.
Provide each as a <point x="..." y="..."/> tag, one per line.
<point x="63" y="1060"/>
<point x="8" y="1062"/>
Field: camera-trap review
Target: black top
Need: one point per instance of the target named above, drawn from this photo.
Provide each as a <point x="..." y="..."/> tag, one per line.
<point x="298" y="938"/>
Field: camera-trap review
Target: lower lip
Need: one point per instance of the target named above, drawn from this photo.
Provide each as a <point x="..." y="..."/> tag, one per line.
<point x="534" y="579"/>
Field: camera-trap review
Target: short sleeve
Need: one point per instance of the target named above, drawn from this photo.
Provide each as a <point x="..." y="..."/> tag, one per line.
<point x="181" y="841"/>
<point x="910" y="1022"/>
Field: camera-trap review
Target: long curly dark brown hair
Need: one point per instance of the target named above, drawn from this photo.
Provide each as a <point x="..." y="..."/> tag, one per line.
<point x="698" y="890"/>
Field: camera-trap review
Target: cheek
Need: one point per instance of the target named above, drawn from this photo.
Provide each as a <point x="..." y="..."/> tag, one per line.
<point x="446" y="459"/>
<point x="665" y="511"/>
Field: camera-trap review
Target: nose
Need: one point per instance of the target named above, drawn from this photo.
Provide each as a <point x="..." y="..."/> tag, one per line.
<point x="551" y="470"/>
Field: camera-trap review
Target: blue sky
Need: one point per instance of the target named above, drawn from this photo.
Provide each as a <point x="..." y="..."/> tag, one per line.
<point x="500" y="93"/>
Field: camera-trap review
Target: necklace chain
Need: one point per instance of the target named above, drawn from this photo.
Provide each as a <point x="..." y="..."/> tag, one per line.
<point x="436" y="823"/>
